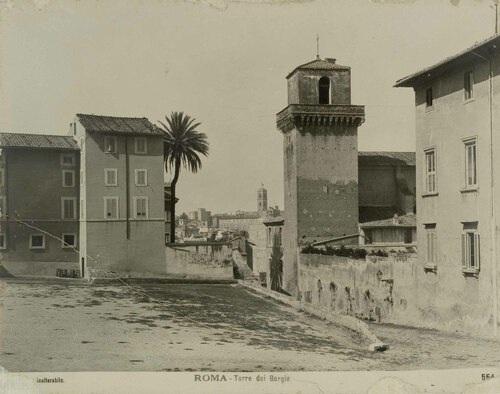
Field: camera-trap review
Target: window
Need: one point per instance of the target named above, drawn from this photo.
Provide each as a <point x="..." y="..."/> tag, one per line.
<point x="3" y="241"/>
<point x="3" y="206"/>
<point x="110" y="143"/>
<point x="37" y="241"/>
<point x="141" y="207"/>
<point x="431" y="244"/>
<point x="111" y="208"/>
<point x="324" y="90"/>
<point x="68" y="177"/>
<point x="69" y="240"/>
<point x="67" y="159"/>
<point x="430" y="171"/>
<point x="470" y="247"/>
<point x="111" y="176"/>
<point x="470" y="163"/>
<point x="468" y="85"/>
<point x="269" y="236"/>
<point x="68" y="207"/>
<point x="141" y="145"/>
<point x="141" y="177"/>
<point x="429" y="97"/>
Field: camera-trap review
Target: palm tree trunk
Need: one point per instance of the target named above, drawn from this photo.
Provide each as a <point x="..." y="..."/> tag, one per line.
<point x="172" y="202"/>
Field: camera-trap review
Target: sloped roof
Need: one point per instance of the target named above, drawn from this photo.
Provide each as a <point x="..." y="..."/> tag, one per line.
<point x="444" y="64"/>
<point x="408" y="158"/>
<point x="320" y="64"/>
<point x="274" y="221"/>
<point x="37" y="141"/>
<point x="117" y="125"/>
<point x="408" y="220"/>
<point x="371" y="213"/>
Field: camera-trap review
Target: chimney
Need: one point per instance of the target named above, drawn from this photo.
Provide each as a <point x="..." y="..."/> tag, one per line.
<point x="395" y="219"/>
<point x="330" y="60"/>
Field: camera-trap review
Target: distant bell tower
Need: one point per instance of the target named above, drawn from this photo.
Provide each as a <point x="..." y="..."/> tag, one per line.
<point x="262" y="201"/>
<point x="320" y="150"/>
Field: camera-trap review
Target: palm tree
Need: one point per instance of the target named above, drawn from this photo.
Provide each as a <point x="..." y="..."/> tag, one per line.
<point x="182" y="144"/>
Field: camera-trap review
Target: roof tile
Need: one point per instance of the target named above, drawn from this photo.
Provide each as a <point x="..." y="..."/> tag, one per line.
<point x="37" y="141"/>
<point x="117" y="125"/>
<point x="319" y="64"/>
<point x="387" y="157"/>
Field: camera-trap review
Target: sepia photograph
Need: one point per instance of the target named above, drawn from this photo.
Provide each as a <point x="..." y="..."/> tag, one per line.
<point x="245" y="196"/>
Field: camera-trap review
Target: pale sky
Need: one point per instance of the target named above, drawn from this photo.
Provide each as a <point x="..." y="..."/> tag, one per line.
<point x="224" y="63"/>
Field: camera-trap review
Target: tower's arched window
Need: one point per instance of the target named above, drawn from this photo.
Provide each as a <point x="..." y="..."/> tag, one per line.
<point x="324" y="90"/>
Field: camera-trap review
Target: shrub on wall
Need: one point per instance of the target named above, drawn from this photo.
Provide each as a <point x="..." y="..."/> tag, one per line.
<point x="353" y="253"/>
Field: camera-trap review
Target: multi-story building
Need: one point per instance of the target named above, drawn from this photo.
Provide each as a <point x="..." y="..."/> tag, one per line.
<point x="100" y="190"/>
<point x="39" y="204"/>
<point x="457" y="126"/>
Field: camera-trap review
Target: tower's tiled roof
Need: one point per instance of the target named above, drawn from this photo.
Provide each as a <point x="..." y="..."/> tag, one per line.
<point x="320" y="64"/>
<point x="117" y="125"/>
<point x="37" y="141"/>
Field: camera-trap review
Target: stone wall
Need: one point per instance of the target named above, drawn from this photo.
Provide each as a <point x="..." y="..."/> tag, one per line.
<point x="29" y="268"/>
<point x="392" y="289"/>
<point x="203" y="260"/>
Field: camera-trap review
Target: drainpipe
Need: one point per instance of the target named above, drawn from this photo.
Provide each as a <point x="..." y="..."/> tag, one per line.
<point x="493" y="235"/>
<point x="493" y="224"/>
<point x="127" y="187"/>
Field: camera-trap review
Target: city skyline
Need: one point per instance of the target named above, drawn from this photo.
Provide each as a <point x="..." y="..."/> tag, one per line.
<point x="219" y="65"/>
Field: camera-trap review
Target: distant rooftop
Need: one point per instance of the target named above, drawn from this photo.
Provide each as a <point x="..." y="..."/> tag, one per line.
<point x="476" y="51"/>
<point x="37" y="141"/>
<point x="270" y="221"/>
<point x="117" y="125"/>
<point x="408" y="158"/>
<point x="320" y="64"/>
<point x="247" y="215"/>
<point x="408" y="220"/>
<point x="375" y="213"/>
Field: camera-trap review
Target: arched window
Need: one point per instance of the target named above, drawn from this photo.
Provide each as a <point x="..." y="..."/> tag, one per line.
<point x="324" y="90"/>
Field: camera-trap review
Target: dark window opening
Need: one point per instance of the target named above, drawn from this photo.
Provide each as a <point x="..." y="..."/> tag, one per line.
<point x="324" y="90"/>
<point x="428" y="97"/>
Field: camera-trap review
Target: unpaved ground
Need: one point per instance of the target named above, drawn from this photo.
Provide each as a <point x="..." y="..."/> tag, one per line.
<point x="67" y="326"/>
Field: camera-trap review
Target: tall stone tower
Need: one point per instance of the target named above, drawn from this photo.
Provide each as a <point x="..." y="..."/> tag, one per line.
<point x="320" y="150"/>
<point x="262" y="201"/>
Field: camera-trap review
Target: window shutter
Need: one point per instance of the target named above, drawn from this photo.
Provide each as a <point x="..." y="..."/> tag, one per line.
<point x="464" y="251"/>
<point x="478" y="248"/>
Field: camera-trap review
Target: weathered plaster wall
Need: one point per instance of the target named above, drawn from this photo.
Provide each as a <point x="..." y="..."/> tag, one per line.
<point x="106" y="240"/>
<point x="443" y="127"/>
<point x="28" y="269"/>
<point x="33" y="190"/>
<point x="377" y="186"/>
<point x="212" y="262"/>
<point x="141" y="255"/>
<point x="303" y="86"/>
<point x="393" y="290"/>
<point x="327" y="183"/>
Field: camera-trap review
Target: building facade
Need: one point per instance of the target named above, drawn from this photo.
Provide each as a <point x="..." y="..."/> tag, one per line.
<point x="39" y="204"/>
<point x="320" y="147"/>
<point x="100" y="189"/>
<point x="457" y="123"/>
